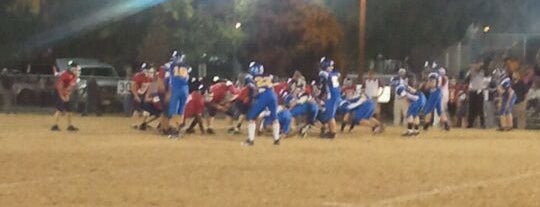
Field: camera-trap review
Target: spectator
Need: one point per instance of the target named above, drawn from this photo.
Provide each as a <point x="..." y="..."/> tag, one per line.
<point x="536" y="72"/>
<point x="534" y="100"/>
<point x="462" y="106"/>
<point x="475" y="79"/>
<point x="452" y="99"/>
<point x="7" y="91"/>
<point x="371" y="88"/>
<point x="519" y="109"/>
<point x="400" y="104"/>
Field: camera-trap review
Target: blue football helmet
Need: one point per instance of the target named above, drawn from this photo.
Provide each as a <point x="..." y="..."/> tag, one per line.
<point x="178" y="57"/>
<point x="256" y="69"/>
<point x="326" y="63"/>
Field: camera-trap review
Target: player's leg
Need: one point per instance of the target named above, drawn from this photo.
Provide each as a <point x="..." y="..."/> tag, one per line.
<point x="346" y="119"/>
<point x="137" y="113"/>
<point x="56" y="117"/>
<point x="68" y="115"/>
<point x="416" y="125"/>
<point x="285" y="122"/>
<point x="200" y="122"/>
<point x="60" y="109"/>
<point x="412" y="118"/>
<point x="191" y="127"/>
<point x="428" y="113"/>
<point x="377" y="125"/>
<point x="241" y="110"/>
<point x="273" y="108"/>
<point x="510" y="122"/>
<point x="70" y="123"/>
<point x="410" y="124"/>
<point x="212" y="111"/>
<point x="253" y="113"/>
<point x="176" y="114"/>
<point x="330" y="115"/>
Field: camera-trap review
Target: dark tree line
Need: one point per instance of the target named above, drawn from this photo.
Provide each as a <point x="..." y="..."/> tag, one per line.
<point x="284" y="34"/>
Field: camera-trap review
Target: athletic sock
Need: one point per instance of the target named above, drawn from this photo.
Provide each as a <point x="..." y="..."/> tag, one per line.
<point x="275" y="130"/>
<point x="252" y="127"/>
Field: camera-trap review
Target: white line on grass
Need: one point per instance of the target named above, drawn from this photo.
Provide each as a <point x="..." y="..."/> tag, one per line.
<point x="436" y="191"/>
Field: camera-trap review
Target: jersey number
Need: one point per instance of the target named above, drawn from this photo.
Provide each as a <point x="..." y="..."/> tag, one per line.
<point x="180" y="71"/>
<point x="263" y="82"/>
<point x="335" y="81"/>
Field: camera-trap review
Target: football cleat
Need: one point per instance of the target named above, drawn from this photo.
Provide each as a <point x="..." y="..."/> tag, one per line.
<point x="210" y="131"/>
<point x="248" y="143"/>
<point x="55" y="128"/>
<point x="71" y="128"/>
<point x="190" y="131"/>
<point x="277" y="142"/>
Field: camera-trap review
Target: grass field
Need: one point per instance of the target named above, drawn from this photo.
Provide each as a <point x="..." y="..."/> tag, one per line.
<point x="108" y="164"/>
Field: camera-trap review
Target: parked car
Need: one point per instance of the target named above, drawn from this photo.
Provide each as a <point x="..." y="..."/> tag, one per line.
<point x="33" y="84"/>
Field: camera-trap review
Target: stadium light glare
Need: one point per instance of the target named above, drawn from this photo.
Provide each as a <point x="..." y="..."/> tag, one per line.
<point x="110" y="13"/>
<point x="487" y="28"/>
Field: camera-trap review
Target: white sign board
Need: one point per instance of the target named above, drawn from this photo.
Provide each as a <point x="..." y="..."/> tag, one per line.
<point x="123" y="87"/>
<point x="385" y="93"/>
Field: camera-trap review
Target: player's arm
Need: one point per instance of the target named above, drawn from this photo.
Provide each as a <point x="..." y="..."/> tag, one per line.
<point x="411" y="89"/>
<point x="412" y="97"/>
<point x="356" y="103"/>
<point x="134" y="90"/>
<point x="60" y="89"/>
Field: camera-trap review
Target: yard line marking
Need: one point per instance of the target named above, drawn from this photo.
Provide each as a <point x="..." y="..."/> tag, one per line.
<point x="436" y="191"/>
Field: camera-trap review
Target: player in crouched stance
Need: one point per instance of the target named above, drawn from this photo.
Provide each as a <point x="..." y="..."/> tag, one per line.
<point x="265" y="98"/>
<point x="435" y="103"/>
<point x="65" y="84"/>
<point x="362" y="110"/>
<point x="417" y="101"/>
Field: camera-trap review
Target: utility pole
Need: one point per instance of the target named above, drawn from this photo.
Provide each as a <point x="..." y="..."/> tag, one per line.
<point x="362" y="38"/>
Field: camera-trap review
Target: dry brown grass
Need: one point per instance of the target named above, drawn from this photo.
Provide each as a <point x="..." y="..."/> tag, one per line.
<point x="107" y="164"/>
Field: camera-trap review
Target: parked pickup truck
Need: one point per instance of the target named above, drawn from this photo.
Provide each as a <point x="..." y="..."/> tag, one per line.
<point x="34" y="83"/>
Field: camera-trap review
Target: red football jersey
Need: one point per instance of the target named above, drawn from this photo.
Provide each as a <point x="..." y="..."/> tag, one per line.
<point x="281" y="87"/>
<point x="309" y="90"/>
<point x="66" y="82"/>
<point x="219" y="92"/>
<point x="195" y="104"/>
<point x="243" y="95"/>
<point x="141" y="83"/>
<point x="161" y="72"/>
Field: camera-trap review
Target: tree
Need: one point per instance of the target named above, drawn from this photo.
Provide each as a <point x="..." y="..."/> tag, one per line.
<point x="200" y="28"/>
<point x="289" y="34"/>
